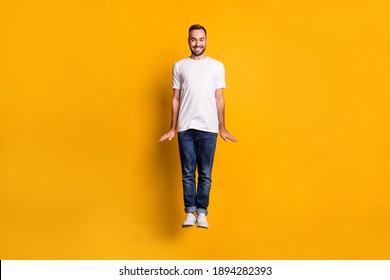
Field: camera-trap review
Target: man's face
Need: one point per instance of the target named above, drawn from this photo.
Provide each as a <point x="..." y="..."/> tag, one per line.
<point x="197" y="42"/>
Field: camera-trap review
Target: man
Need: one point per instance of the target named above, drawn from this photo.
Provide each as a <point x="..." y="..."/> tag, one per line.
<point x="198" y="112"/>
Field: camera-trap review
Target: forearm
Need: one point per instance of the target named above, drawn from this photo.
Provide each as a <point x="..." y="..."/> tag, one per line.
<point x="221" y="116"/>
<point x="175" y="109"/>
<point x="220" y="111"/>
<point x="175" y="113"/>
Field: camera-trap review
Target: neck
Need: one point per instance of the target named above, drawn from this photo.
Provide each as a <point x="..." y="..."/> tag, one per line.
<point x="200" y="57"/>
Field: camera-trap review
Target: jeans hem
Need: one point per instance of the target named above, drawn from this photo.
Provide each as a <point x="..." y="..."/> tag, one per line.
<point x="190" y="209"/>
<point x="204" y="211"/>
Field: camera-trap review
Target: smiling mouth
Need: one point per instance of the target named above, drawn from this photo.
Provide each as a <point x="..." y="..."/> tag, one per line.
<point x="198" y="50"/>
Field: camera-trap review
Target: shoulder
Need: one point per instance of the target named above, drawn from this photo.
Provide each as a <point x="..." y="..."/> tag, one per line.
<point x="215" y="61"/>
<point x="217" y="65"/>
<point x="181" y="62"/>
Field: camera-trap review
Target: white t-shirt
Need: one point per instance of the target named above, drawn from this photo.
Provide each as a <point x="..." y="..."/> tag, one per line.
<point x="197" y="81"/>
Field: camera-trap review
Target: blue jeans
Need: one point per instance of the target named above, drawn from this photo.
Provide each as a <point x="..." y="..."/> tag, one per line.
<point x="196" y="149"/>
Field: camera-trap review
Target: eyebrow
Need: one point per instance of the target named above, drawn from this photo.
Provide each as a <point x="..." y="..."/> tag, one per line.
<point x="195" y="38"/>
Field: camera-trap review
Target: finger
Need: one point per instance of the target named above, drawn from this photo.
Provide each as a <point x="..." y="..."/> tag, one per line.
<point x="163" y="138"/>
<point x="231" y="138"/>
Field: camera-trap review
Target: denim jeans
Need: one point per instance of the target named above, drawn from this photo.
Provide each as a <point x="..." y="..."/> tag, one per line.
<point x="196" y="149"/>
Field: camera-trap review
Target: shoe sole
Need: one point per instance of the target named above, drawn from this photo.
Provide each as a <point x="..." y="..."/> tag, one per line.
<point x="187" y="225"/>
<point x="203" y="226"/>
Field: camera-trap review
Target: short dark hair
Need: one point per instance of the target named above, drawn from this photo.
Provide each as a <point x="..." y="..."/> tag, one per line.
<point x="196" y="27"/>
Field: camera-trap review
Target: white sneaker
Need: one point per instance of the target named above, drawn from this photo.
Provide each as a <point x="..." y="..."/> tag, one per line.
<point x="190" y="220"/>
<point x="202" y="221"/>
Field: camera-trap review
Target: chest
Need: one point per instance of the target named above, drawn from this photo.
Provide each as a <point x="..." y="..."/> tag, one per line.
<point x="196" y="75"/>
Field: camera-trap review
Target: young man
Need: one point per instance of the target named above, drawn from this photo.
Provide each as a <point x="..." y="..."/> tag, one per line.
<point x="198" y="112"/>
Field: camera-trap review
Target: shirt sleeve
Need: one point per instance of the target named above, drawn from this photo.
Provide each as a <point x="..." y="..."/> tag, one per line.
<point x="175" y="77"/>
<point x="221" y="76"/>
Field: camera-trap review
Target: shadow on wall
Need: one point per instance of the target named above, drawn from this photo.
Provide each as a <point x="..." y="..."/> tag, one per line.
<point x="166" y="164"/>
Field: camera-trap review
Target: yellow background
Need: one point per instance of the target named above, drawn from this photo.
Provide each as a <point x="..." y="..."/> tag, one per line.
<point x="85" y="90"/>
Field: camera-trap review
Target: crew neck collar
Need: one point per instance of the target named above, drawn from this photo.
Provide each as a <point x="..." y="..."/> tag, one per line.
<point x="203" y="59"/>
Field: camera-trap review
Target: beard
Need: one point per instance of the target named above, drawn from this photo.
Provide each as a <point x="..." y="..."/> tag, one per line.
<point x="202" y="50"/>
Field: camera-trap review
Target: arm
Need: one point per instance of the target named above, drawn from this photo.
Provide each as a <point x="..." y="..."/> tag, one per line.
<point x="221" y="116"/>
<point x="175" y="112"/>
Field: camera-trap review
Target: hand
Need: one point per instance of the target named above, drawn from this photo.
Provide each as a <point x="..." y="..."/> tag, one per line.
<point x="169" y="135"/>
<point x="226" y="135"/>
